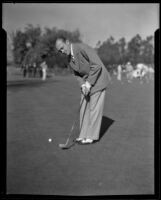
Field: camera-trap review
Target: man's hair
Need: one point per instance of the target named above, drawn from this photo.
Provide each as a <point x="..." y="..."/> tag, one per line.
<point x="63" y="38"/>
<point x="43" y="56"/>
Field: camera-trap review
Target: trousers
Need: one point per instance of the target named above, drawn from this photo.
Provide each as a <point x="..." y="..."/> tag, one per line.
<point x="91" y="115"/>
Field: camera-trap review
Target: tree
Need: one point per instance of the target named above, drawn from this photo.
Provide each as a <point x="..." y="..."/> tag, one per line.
<point x="98" y="44"/>
<point x="30" y="44"/>
<point x="20" y="49"/>
<point x="109" y="52"/>
<point x="25" y="41"/>
<point x="122" y="50"/>
<point x="33" y="34"/>
<point x="147" y="53"/>
<point x="134" y="49"/>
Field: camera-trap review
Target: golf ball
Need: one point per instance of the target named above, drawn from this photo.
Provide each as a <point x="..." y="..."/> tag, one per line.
<point x="50" y="140"/>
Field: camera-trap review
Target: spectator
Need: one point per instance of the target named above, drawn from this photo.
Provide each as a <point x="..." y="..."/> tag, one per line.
<point x="119" y="72"/>
<point x="44" y="67"/>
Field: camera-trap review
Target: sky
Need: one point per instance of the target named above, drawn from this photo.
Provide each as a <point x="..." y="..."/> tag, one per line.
<point x="96" y="21"/>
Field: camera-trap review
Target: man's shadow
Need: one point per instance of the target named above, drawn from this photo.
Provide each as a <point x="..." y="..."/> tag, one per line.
<point x="105" y="125"/>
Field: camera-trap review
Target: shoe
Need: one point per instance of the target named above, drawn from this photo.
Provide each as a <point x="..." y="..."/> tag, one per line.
<point x="79" y="139"/>
<point x="87" y="141"/>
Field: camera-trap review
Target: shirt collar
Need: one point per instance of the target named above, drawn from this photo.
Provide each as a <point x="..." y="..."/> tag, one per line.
<point x="72" y="54"/>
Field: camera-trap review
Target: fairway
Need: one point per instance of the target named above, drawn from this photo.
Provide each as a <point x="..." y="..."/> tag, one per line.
<point x="121" y="163"/>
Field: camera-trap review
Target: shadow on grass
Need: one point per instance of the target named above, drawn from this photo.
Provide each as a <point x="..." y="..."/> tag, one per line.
<point x="28" y="83"/>
<point x="105" y="125"/>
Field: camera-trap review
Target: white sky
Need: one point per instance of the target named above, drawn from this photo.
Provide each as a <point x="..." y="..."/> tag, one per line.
<point x="95" y="21"/>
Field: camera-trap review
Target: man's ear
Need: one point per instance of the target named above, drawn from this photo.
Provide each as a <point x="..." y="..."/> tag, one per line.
<point x="67" y="42"/>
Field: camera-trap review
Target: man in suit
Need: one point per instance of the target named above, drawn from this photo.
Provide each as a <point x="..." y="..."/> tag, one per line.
<point x="93" y="79"/>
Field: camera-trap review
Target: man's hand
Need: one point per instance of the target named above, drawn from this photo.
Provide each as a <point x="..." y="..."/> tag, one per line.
<point x="86" y="88"/>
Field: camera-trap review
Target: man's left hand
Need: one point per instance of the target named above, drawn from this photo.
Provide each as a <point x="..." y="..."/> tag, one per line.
<point x="86" y="88"/>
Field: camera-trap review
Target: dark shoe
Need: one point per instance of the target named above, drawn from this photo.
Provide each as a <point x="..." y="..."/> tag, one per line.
<point x="79" y="142"/>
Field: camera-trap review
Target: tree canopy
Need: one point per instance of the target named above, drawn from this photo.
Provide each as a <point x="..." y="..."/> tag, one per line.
<point x="31" y="43"/>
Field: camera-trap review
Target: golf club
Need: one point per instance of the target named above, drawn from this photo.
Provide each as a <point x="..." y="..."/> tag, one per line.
<point x="67" y="145"/>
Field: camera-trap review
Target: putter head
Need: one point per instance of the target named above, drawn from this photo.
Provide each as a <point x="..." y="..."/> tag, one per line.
<point x="63" y="146"/>
<point x="67" y="145"/>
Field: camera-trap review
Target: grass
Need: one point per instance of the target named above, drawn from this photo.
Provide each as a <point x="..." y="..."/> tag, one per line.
<point x="122" y="162"/>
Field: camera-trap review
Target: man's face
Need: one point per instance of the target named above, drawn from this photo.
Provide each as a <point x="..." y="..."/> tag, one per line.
<point x="63" y="47"/>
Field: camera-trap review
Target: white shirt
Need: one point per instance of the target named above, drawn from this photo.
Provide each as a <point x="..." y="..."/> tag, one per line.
<point x="71" y="51"/>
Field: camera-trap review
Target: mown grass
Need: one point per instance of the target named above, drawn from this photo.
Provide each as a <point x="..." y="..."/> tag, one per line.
<point x="122" y="162"/>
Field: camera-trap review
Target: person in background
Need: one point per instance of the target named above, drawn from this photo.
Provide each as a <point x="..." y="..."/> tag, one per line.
<point x="119" y="72"/>
<point x="129" y="70"/>
<point x="34" y="69"/>
<point x="44" y="67"/>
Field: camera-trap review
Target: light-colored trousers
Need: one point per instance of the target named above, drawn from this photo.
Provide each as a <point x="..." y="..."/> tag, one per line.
<point x="91" y="115"/>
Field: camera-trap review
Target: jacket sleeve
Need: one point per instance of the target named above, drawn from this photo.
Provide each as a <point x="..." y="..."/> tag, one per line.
<point x="95" y="68"/>
<point x="77" y="76"/>
<point x="79" y="79"/>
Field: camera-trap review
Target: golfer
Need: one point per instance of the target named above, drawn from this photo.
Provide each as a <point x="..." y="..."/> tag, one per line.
<point x="93" y="79"/>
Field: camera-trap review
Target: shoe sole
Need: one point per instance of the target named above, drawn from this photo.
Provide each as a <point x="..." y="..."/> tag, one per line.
<point x="81" y="143"/>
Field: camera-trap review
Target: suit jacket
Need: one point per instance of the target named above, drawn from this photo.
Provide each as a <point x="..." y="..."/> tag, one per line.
<point x="87" y="66"/>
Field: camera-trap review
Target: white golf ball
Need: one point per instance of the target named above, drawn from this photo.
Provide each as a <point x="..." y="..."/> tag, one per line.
<point x="50" y="140"/>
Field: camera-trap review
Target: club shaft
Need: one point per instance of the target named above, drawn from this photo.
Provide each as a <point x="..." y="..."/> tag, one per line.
<point x="70" y="133"/>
